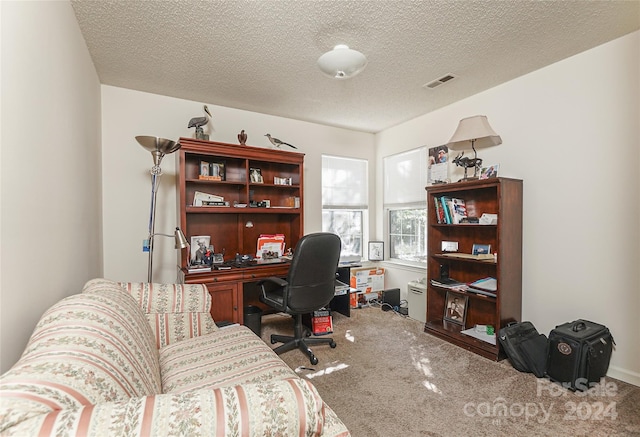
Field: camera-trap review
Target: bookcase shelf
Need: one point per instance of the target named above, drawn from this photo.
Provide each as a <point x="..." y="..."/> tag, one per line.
<point x="501" y="196"/>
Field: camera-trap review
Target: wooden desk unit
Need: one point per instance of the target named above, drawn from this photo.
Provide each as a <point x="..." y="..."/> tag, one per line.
<point x="232" y="290"/>
<point x="272" y="203"/>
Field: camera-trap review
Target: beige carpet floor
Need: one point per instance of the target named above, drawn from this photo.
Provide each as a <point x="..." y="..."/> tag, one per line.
<point x="388" y="378"/>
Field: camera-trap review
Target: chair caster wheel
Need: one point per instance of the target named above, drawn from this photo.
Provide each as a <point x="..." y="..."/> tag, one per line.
<point x="313" y="359"/>
<point x="332" y="345"/>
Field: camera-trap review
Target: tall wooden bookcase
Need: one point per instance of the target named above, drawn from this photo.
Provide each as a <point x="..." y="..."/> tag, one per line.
<point x="501" y="196"/>
<point x="234" y="229"/>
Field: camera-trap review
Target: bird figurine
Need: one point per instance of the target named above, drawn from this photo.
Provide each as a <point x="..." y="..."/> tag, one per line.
<point x="242" y="138"/>
<point x="198" y="122"/>
<point x="276" y="142"/>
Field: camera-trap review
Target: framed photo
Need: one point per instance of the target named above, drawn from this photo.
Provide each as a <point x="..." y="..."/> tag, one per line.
<point x="204" y="168"/>
<point x="376" y="250"/>
<point x="489" y="172"/>
<point x="199" y="249"/>
<point x="438" y="168"/>
<point x="256" y="176"/>
<point x="455" y="308"/>
<point x="216" y="169"/>
<point x="481" y="249"/>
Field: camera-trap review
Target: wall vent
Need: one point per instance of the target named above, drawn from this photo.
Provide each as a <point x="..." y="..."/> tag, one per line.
<point x="440" y="81"/>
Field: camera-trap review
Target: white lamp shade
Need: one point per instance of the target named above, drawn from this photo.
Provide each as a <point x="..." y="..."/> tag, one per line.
<point x="474" y="128"/>
<point x="342" y="62"/>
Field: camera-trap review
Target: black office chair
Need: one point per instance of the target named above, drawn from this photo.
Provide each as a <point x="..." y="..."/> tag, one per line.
<point x="310" y="285"/>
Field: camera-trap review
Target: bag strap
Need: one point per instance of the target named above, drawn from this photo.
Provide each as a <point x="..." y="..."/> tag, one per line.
<point x="578" y="326"/>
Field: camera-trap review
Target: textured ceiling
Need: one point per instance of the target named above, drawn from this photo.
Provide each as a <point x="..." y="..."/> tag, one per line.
<point x="261" y="55"/>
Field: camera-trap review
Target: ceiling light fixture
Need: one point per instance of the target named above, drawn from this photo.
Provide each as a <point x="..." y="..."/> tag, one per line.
<point x="342" y="62"/>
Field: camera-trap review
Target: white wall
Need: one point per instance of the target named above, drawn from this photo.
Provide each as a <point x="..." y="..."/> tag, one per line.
<point x="571" y="132"/>
<point x="127" y="185"/>
<point x="50" y="180"/>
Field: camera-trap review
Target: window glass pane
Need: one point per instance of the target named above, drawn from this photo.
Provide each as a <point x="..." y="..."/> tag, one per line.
<point x="347" y="224"/>
<point x="345" y="201"/>
<point x="407" y="239"/>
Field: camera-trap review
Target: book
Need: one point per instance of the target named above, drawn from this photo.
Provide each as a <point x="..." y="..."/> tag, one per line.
<point x="459" y="210"/>
<point x="486" y="284"/>
<point x="482" y="292"/>
<point x="199" y="197"/>
<point x="214" y="203"/>
<point x="445" y="201"/>
<point x="199" y="269"/>
<point x="439" y="211"/>
<point x="449" y="283"/>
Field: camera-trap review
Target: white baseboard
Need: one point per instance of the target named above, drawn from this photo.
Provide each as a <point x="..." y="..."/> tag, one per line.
<point x="624" y="375"/>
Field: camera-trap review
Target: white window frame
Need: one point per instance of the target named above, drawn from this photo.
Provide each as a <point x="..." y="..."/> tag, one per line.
<point x="353" y="188"/>
<point x="405" y="177"/>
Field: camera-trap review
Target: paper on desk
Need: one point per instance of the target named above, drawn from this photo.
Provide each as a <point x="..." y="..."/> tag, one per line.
<point x="480" y="335"/>
<point x="272" y="244"/>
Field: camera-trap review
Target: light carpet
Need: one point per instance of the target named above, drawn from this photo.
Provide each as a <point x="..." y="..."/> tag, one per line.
<point x="387" y="378"/>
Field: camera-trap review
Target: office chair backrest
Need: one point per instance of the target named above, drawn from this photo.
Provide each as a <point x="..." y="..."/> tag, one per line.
<point x="312" y="275"/>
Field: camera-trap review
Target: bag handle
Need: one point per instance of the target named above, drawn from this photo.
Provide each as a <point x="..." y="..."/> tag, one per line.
<point x="578" y="326"/>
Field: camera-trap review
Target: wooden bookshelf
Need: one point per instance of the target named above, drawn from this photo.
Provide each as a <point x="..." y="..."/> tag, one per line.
<point x="501" y="196"/>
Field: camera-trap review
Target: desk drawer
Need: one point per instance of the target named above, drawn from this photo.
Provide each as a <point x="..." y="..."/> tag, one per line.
<point x="215" y="277"/>
<point x="264" y="272"/>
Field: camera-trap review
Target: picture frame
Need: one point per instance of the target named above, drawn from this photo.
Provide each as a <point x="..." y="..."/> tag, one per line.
<point x="490" y="171"/>
<point x="376" y="250"/>
<point x="455" y="308"/>
<point x="204" y="168"/>
<point x="438" y="166"/>
<point x="255" y="175"/>
<point x="217" y="169"/>
<point x="481" y="249"/>
<point x="199" y="248"/>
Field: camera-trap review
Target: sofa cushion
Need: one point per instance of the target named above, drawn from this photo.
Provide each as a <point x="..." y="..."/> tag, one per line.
<point x="289" y="407"/>
<point x="87" y="348"/>
<point x="230" y="356"/>
<point x="175" y="312"/>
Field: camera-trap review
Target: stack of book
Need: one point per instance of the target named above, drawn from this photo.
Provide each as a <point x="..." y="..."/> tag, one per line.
<point x="449" y="283"/>
<point x="450" y="210"/>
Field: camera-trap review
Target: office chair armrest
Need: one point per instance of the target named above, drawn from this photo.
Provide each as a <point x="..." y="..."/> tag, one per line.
<point x="273" y="292"/>
<point x="278" y="282"/>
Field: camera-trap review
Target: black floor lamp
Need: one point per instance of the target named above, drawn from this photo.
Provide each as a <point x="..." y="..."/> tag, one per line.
<point x="158" y="148"/>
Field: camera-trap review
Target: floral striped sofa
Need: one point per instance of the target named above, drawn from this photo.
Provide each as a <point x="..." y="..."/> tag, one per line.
<point x="138" y="359"/>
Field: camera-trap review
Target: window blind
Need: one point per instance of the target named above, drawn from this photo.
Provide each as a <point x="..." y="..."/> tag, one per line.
<point x="344" y="183"/>
<point x="405" y="176"/>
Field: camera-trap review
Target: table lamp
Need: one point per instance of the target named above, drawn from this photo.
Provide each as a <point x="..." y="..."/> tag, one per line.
<point x="475" y="132"/>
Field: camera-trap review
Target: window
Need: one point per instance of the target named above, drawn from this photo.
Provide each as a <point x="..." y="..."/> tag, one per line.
<point x="405" y="176"/>
<point x="345" y="202"/>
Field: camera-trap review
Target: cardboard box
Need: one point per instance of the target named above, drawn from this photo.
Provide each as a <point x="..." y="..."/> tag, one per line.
<point x="368" y="282"/>
<point x="322" y="322"/>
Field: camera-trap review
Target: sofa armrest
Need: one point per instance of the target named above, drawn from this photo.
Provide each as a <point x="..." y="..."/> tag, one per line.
<point x="286" y="407"/>
<point x="176" y="312"/>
